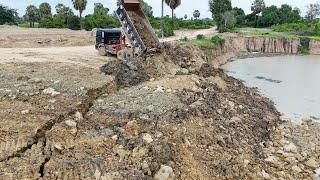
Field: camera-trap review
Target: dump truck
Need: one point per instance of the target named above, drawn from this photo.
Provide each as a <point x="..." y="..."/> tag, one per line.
<point x="136" y="29"/>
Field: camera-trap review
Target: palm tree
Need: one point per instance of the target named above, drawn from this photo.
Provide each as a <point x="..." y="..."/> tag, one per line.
<point x="45" y="9"/>
<point x="257" y="7"/>
<point x="196" y="14"/>
<point x="162" y="3"/>
<point x="31" y="14"/>
<point x="173" y="4"/>
<point x="80" y="5"/>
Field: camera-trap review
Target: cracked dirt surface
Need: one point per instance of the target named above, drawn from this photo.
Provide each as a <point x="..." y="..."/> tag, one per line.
<point x="180" y="119"/>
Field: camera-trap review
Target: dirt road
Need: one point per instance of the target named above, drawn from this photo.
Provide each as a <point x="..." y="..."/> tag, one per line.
<point x="14" y="37"/>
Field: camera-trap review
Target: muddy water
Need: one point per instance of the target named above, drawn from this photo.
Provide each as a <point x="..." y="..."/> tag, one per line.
<point x="292" y="82"/>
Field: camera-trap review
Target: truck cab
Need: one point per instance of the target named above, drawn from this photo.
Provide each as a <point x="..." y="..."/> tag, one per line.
<point x="108" y="41"/>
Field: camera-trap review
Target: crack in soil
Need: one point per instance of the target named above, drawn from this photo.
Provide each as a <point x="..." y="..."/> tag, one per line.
<point x="47" y="159"/>
<point x="83" y="108"/>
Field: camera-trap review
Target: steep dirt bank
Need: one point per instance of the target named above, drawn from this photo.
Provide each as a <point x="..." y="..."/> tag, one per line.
<point x="235" y="46"/>
<point x="314" y="47"/>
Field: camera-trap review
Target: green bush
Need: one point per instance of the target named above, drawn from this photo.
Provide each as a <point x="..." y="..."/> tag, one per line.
<point x="74" y="22"/>
<point x="46" y="22"/>
<point x="303" y="49"/>
<point x="200" y="37"/>
<point x="101" y="21"/>
<point x="291" y="27"/>
<point x="304" y="46"/>
<point x="218" y="40"/>
<point x="7" y="15"/>
<point x="301" y="28"/>
<point x="178" y="24"/>
<point x="316" y="29"/>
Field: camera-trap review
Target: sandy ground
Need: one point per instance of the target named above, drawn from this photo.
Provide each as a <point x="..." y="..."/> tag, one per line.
<point x="13" y="37"/>
<point x="62" y="118"/>
<point x="78" y="55"/>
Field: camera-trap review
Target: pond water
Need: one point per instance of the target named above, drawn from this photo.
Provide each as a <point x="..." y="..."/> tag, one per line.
<point x="291" y="82"/>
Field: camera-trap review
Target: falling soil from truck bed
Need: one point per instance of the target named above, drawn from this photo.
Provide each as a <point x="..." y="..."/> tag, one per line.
<point x="143" y="30"/>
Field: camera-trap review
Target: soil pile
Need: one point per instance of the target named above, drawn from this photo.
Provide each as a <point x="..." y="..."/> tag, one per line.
<point x="164" y="117"/>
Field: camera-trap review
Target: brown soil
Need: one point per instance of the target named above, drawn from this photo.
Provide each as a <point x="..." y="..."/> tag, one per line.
<point x="172" y="111"/>
<point x="15" y="37"/>
<point x="142" y="29"/>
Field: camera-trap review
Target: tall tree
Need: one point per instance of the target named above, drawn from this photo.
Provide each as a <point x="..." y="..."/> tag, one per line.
<point x="196" y="14"/>
<point x="45" y="10"/>
<point x="7" y="15"/>
<point x="162" y="31"/>
<point x="80" y="5"/>
<point x="257" y="7"/>
<point x="99" y="9"/>
<point x="147" y="8"/>
<point x="288" y="15"/>
<point x="218" y="8"/>
<point x="313" y="11"/>
<point x="173" y="4"/>
<point x="64" y="11"/>
<point x="32" y="14"/>
<point x="270" y="16"/>
<point x="240" y="16"/>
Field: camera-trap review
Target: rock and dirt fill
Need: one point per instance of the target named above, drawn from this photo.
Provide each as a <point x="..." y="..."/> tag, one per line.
<point x="141" y="27"/>
<point x="168" y="116"/>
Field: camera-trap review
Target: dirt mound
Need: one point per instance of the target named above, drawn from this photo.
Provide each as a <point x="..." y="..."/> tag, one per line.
<point x="160" y="117"/>
<point x="127" y="73"/>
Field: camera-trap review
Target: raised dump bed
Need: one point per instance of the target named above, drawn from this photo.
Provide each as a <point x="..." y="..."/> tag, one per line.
<point x="137" y="27"/>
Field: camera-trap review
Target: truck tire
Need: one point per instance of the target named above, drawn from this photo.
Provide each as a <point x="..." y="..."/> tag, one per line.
<point x="125" y="54"/>
<point x="102" y="51"/>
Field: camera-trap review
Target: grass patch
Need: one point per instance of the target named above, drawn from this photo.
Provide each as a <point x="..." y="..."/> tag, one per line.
<point x="205" y="42"/>
<point x="266" y="32"/>
<point x="303" y="49"/>
<point x="26" y="25"/>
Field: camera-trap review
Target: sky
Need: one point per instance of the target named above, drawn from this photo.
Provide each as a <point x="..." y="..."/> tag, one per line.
<point x="187" y="6"/>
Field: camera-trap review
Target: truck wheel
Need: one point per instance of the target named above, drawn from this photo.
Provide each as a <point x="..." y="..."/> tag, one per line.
<point x="102" y="51"/>
<point x="125" y="54"/>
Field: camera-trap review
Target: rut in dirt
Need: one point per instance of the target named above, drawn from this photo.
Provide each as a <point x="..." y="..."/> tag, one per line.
<point x="126" y="74"/>
<point x="83" y="108"/>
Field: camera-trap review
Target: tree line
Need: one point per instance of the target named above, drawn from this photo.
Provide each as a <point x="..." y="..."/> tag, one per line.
<point x="65" y="17"/>
<point x="228" y="18"/>
<point x="43" y="17"/>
